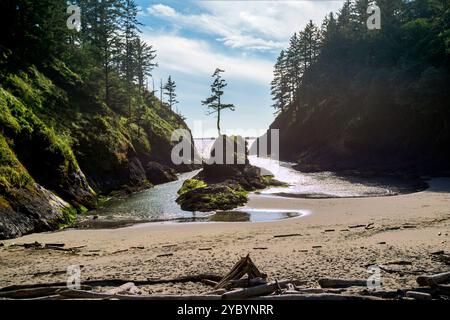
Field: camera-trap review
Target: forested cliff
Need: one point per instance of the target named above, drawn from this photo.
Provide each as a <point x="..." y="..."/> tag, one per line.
<point x="351" y="98"/>
<point x="76" y="117"/>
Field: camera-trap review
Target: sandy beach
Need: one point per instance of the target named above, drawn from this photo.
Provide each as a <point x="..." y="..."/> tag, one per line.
<point x="403" y="233"/>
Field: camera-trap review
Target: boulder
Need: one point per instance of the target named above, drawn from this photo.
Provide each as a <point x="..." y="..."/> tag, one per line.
<point x="32" y="209"/>
<point x="157" y="173"/>
<point x="207" y="198"/>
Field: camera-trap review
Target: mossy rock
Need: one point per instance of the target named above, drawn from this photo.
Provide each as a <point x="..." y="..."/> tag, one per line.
<point x="195" y="195"/>
<point x="191" y="184"/>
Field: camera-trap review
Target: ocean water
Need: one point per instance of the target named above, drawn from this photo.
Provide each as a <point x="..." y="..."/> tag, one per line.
<point x="158" y="203"/>
<point x="322" y="184"/>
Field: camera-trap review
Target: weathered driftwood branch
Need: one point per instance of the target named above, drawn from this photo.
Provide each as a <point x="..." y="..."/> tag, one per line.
<point x="215" y="292"/>
<point x="261" y="290"/>
<point x="434" y="279"/>
<point x="314" y="290"/>
<point x="209" y="282"/>
<point x="399" y="271"/>
<point x="341" y="283"/>
<point x="442" y="289"/>
<point x="81" y="294"/>
<point x="244" y="266"/>
<point x="245" y="283"/>
<point x="123" y="288"/>
<point x="385" y="294"/>
<point x="287" y="235"/>
<point x="52" y="246"/>
<point x="35" y="292"/>
<point x="117" y="282"/>
<point x="320" y="296"/>
<point x="418" y="295"/>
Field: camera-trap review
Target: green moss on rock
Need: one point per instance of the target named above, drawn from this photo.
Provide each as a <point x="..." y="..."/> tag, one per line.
<point x="12" y="173"/>
<point x="211" y="198"/>
<point x="191" y="184"/>
<point x="68" y="217"/>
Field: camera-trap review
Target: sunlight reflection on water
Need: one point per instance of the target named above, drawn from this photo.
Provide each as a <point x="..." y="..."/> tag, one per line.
<point x="158" y="203"/>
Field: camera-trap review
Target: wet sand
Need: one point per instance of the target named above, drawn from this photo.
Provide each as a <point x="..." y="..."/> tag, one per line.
<point x="406" y="228"/>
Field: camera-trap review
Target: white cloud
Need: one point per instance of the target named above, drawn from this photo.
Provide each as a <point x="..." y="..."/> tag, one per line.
<point x="189" y="56"/>
<point x="261" y="25"/>
<point x="161" y="9"/>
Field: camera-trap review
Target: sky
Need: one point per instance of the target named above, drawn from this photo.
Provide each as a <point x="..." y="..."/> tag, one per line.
<point x="192" y="38"/>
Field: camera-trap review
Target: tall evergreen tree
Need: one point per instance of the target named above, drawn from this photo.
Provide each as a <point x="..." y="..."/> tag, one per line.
<point x="214" y="102"/>
<point x="280" y="84"/>
<point x="294" y="60"/>
<point x="129" y="25"/>
<point x="34" y="30"/>
<point x="310" y="40"/>
<point x="169" y="91"/>
<point x="101" y="35"/>
<point x="145" y="62"/>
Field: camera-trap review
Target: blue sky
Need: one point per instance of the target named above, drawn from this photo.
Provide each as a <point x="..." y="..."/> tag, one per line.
<point x="244" y="38"/>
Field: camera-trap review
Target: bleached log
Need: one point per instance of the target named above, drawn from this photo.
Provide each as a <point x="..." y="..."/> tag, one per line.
<point x="122" y="289"/>
<point x="209" y="282"/>
<point x="244" y="266"/>
<point x="418" y="295"/>
<point x="261" y="290"/>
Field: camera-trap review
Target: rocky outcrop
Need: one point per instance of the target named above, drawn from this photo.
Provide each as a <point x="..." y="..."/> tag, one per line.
<point x="223" y="186"/>
<point x="206" y="198"/>
<point x="32" y="209"/>
<point x="157" y="173"/>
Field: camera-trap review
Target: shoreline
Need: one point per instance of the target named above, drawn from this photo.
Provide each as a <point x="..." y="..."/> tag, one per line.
<point x="406" y="227"/>
<point x="85" y="222"/>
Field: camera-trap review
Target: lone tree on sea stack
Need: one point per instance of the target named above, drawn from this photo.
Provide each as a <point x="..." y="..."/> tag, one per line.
<point x="214" y="102"/>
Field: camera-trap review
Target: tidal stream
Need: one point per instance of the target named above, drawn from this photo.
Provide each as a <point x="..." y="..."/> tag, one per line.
<point x="158" y="203"/>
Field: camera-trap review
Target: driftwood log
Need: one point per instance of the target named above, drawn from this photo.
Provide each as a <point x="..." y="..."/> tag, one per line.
<point x="431" y="280"/>
<point x="35" y="292"/>
<point x="287" y="235"/>
<point x="418" y="295"/>
<point x="82" y="294"/>
<point x="52" y="246"/>
<point x="341" y="283"/>
<point x="215" y="292"/>
<point x="314" y="290"/>
<point x="127" y="287"/>
<point x="385" y="294"/>
<point x="244" y="266"/>
<point x="246" y="283"/>
<point x="261" y="290"/>
<point x="319" y="296"/>
<point x="117" y="282"/>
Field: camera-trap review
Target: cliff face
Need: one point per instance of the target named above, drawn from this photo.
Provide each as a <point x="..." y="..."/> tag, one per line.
<point x="340" y="125"/>
<point x="60" y="148"/>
